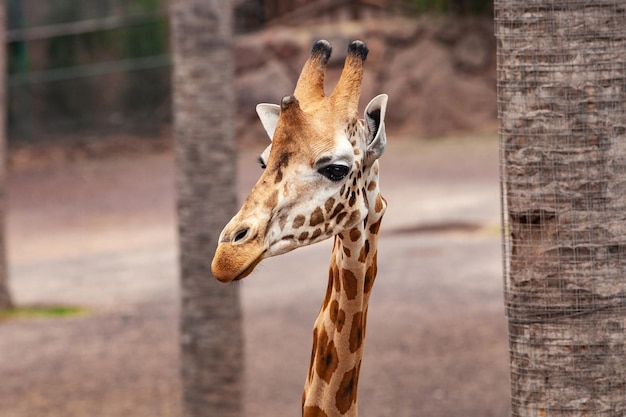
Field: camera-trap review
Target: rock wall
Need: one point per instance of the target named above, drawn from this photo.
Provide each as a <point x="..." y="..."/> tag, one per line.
<point x="439" y="73"/>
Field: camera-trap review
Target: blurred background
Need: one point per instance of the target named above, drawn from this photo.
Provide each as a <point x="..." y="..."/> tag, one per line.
<point x="102" y="67"/>
<point x="91" y="219"/>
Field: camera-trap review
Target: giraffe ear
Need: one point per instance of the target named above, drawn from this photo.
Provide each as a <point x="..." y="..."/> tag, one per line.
<point x="268" y="113"/>
<point x="375" y="118"/>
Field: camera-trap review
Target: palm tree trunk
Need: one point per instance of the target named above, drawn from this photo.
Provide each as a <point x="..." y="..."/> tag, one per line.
<point x="562" y="110"/>
<point x="211" y="328"/>
<point x="5" y="295"/>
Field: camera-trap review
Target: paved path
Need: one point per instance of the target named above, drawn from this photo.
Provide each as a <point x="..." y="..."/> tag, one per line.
<point x="102" y="234"/>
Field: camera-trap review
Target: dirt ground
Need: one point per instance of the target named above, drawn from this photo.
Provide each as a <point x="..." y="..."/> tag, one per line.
<point x="100" y="233"/>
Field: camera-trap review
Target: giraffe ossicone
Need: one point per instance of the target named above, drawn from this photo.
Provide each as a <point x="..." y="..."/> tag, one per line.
<point x="320" y="180"/>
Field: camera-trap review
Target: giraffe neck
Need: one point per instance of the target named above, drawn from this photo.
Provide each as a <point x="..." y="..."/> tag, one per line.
<point x="339" y="332"/>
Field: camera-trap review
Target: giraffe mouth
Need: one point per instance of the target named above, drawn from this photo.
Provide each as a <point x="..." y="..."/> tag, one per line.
<point x="231" y="263"/>
<point x="249" y="268"/>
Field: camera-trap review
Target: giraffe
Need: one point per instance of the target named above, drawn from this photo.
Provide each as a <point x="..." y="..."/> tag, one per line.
<point x="320" y="180"/>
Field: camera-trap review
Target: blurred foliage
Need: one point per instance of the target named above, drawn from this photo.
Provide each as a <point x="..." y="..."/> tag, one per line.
<point x="457" y="7"/>
<point x="42" y="312"/>
<point x="87" y="101"/>
<point x="76" y="103"/>
<point x="146" y="90"/>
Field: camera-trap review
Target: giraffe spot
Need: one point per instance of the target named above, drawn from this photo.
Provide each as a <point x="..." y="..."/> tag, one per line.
<point x="356" y="332"/>
<point x="298" y="221"/>
<point x="329" y="204"/>
<point x="346" y="394"/>
<point x="357" y="152"/>
<point x="375" y="227"/>
<point x="341" y="216"/>
<point x="365" y="250"/>
<point x="341" y="320"/>
<point x="329" y="289"/>
<point x="336" y="279"/>
<point x="343" y="188"/>
<point x="272" y="200"/>
<point x="279" y="176"/>
<point x="354" y="217"/>
<point x="355" y="234"/>
<point x="337" y="210"/>
<point x="313" y="411"/>
<point x="354" y="182"/>
<point x="316" y="217"/>
<point x="371" y="186"/>
<point x="284" y="159"/>
<point x="359" y="175"/>
<point x="326" y="358"/>
<point x="365" y="322"/>
<point x="348" y="191"/>
<point x="316" y="233"/>
<point x="334" y="311"/>
<point x="349" y="282"/>
<point x="288" y="237"/>
<point x="379" y="204"/>
<point x="376" y="169"/>
<point x="303" y="236"/>
<point x="313" y="351"/>
<point x="346" y="251"/>
<point x="370" y="276"/>
<point x="365" y="200"/>
<point x="352" y="199"/>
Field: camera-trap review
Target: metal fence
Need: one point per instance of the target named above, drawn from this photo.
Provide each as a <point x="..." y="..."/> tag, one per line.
<point x="562" y="110"/>
<point x="88" y="65"/>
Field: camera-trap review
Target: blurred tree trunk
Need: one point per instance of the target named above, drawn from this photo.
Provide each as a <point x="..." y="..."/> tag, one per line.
<point x="5" y="295"/>
<point x="211" y="328"/>
<point x="562" y="110"/>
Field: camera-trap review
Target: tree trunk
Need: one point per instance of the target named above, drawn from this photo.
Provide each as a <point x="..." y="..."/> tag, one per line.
<point x="562" y="110"/>
<point x="5" y="295"/>
<point x="211" y="328"/>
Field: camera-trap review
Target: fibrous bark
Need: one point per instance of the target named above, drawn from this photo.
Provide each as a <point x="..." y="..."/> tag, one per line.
<point x="211" y="332"/>
<point x="562" y="111"/>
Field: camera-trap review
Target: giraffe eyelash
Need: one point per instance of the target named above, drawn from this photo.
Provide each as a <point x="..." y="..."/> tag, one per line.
<point x="263" y="166"/>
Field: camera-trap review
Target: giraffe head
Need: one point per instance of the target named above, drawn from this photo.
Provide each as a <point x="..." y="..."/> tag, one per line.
<point x="320" y="170"/>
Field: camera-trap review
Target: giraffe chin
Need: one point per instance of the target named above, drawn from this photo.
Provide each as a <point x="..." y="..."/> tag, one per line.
<point x="248" y="270"/>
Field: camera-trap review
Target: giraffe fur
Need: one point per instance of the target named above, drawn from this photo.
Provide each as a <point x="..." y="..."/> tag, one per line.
<point x="320" y="180"/>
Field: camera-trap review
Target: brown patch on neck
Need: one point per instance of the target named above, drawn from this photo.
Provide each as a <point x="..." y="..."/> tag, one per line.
<point x="347" y="393"/>
<point x="375" y="227"/>
<point x="350" y="283"/>
<point x="313" y="411"/>
<point x="370" y="275"/>
<point x="326" y="357"/>
<point x="356" y="332"/>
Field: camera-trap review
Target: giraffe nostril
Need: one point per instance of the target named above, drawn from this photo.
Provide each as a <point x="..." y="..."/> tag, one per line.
<point x="241" y="235"/>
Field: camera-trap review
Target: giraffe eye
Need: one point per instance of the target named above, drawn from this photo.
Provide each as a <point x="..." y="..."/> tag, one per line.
<point x="334" y="172"/>
<point x="262" y="163"/>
